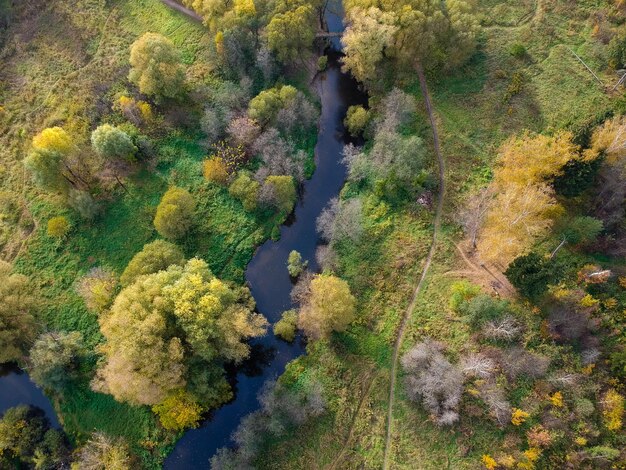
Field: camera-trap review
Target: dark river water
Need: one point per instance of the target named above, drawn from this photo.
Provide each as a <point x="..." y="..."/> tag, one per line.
<point x="266" y="276"/>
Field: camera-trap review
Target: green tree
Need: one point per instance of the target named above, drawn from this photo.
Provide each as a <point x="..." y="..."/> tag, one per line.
<point x="280" y="192"/>
<point x="246" y="190"/>
<point x="175" y="212"/>
<point x="531" y="274"/>
<point x="356" y="119"/>
<point x="285" y="328"/>
<point x="295" y="265"/>
<point x="264" y="107"/>
<point x="154" y="257"/>
<point x="156" y="66"/>
<point x="291" y="32"/>
<point x="18" y="303"/>
<point x="161" y="327"/>
<point x="178" y="411"/>
<point x="329" y="307"/>
<point x="112" y="142"/>
<point x="54" y="358"/>
<point x="58" y="227"/>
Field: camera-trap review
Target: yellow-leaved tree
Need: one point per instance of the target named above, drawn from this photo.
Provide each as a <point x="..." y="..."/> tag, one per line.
<point x="523" y="206"/>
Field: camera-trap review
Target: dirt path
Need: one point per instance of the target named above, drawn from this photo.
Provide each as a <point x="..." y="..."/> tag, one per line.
<point x="437" y="224"/>
<point x="366" y="391"/>
<point x="185" y="11"/>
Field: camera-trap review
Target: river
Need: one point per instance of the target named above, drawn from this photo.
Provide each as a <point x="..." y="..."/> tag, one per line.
<point x="267" y="274"/>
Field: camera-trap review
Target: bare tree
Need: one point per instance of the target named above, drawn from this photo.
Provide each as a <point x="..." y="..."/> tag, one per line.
<point x="478" y="365"/>
<point x="471" y="216"/>
<point x="431" y="378"/>
<point x="506" y="328"/>
<point x="494" y="398"/>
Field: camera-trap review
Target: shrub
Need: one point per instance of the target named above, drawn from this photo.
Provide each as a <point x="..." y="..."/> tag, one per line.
<point x="285" y="328"/>
<point x="295" y="265"/>
<point x="434" y="381"/>
<point x="112" y="142"/>
<point x="175" y="212"/>
<point x="613" y="410"/>
<point x="518" y="416"/>
<point x="154" y="257"/>
<point x="83" y="203"/>
<point x="517" y="50"/>
<point x="97" y="288"/>
<point x="246" y="190"/>
<point x="322" y="63"/>
<point x="357" y="118"/>
<point x="58" y="227"/>
<point x="104" y="452"/>
<point x="53" y="139"/>
<point x="214" y="170"/>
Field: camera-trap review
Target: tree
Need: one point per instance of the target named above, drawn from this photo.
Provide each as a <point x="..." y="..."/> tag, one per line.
<point x="58" y="227"/>
<point x="279" y="191"/>
<point x="53" y="139"/>
<point x="154" y="257"/>
<point x="178" y="411"/>
<point x="214" y="169"/>
<point x="175" y="212"/>
<point x="161" y="327"/>
<point x="25" y="434"/>
<point x="295" y="264"/>
<point x="246" y="190"/>
<point x="285" y="328"/>
<point x="341" y="220"/>
<point x="112" y="142"/>
<point x="97" y="288"/>
<point x="18" y="304"/>
<point x="102" y="452"/>
<point x="412" y="33"/>
<point x="531" y="274"/>
<point x="291" y="32"/>
<point x="54" y="358"/>
<point x="156" y="67"/>
<point x="329" y="307"/>
<point x="265" y="106"/>
<point x="431" y="378"/>
<point x="357" y="118"/>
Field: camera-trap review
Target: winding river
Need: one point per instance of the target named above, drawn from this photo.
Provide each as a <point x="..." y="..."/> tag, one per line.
<point x="266" y="276"/>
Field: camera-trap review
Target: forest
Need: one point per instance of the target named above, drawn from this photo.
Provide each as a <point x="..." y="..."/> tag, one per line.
<point x="283" y="234"/>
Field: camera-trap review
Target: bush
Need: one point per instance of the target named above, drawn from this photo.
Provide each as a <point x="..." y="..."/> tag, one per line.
<point x="518" y="50"/>
<point x="246" y="190"/>
<point x="111" y="142"/>
<point x="295" y="265"/>
<point x="154" y="257"/>
<point x="58" y="227"/>
<point x="285" y="328"/>
<point x="356" y="120"/>
<point x="175" y="212"/>
<point x="178" y="411"/>
<point x="322" y="63"/>
<point x="214" y="170"/>
<point x="104" y="452"/>
<point x="434" y="381"/>
<point x="97" y="288"/>
<point x="83" y="203"/>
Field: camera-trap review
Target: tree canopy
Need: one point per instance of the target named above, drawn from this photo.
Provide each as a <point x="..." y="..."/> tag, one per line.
<point x="174" y="215"/>
<point x="156" y="66"/>
<point x="163" y="322"/>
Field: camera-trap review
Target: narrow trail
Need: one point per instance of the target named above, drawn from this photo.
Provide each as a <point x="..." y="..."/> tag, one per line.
<point x="184" y="10"/>
<point x="372" y="376"/>
<point x="437" y="225"/>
